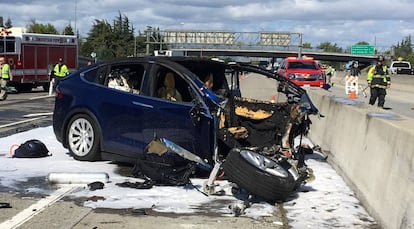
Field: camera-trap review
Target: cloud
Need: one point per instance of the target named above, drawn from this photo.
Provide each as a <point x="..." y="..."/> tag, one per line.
<point x="343" y="22"/>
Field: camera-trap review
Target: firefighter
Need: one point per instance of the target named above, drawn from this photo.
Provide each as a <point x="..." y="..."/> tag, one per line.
<point x="6" y="75"/>
<point x="59" y="72"/>
<point x="329" y="74"/>
<point x="378" y="80"/>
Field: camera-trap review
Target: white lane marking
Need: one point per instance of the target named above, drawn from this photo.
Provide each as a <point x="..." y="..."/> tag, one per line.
<point x="37" y="114"/>
<point x="37" y="207"/>
<point x="43" y="96"/>
<point x="20" y="122"/>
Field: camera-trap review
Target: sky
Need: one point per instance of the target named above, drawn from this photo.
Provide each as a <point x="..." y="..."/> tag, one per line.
<point x="326" y="202"/>
<point x="381" y="23"/>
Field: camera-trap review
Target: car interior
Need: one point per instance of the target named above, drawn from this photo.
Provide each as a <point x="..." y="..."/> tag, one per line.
<point x="126" y="77"/>
<point x="168" y="78"/>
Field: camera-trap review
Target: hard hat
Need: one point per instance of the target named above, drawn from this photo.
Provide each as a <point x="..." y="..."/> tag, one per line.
<point x="380" y="58"/>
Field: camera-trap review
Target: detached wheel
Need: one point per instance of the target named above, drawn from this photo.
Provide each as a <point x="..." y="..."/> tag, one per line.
<point x="82" y="137"/>
<point x="259" y="175"/>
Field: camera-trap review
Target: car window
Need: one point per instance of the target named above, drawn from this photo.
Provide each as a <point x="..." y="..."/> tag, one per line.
<point x="302" y="65"/>
<point x="168" y="85"/>
<point x="214" y="75"/>
<point x="91" y="76"/>
<point x="96" y="75"/>
<point x="126" y="77"/>
<point x="400" y="65"/>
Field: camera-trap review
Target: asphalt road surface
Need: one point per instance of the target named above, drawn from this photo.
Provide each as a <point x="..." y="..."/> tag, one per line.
<point x="24" y="111"/>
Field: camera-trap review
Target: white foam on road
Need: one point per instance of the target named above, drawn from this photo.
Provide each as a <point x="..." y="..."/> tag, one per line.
<point x="327" y="202"/>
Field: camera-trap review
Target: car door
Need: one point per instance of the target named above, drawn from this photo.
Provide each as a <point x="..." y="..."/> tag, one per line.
<point x="121" y="119"/>
<point x="187" y="123"/>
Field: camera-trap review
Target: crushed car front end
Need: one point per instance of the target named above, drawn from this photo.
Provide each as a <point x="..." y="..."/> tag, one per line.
<point x="255" y="138"/>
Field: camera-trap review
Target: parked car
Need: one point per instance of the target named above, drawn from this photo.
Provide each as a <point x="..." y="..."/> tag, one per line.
<point x="302" y="71"/>
<point x="401" y="67"/>
<point x="112" y="111"/>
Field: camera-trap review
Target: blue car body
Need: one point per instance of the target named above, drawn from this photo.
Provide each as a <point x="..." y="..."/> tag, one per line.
<point x="123" y="122"/>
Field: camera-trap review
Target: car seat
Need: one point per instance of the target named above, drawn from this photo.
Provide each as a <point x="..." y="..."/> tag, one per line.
<point x="168" y="91"/>
<point x="133" y="83"/>
<point x="119" y="81"/>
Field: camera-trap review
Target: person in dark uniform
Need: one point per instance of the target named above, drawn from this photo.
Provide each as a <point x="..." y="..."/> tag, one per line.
<point x="379" y="81"/>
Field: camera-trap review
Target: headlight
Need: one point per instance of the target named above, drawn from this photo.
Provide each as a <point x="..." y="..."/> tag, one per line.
<point x="292" y="76"/>
<point x="317" y="76"/>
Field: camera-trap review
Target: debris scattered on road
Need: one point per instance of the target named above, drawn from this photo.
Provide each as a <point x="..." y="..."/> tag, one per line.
<point x="5" y="205"/>
<point x="96" y="185"/>
<point x="77" y="178"/>
<point x="96" y="198"/>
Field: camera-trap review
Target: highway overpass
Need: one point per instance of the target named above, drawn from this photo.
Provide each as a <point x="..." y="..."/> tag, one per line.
<point x="323" y="56"/>
<point x="244" y="44"/>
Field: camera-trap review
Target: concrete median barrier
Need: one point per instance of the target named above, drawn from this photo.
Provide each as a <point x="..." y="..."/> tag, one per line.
<point x="373" y="150"/>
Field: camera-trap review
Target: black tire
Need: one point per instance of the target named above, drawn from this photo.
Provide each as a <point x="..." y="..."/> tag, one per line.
<point x="83" y="138"/>
<point x="267" y="185"/>
<point x="46" y="86"/>
<point x="25" y="87"/>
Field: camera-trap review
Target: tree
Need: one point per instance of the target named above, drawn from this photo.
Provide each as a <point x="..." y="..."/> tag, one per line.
<point x="410" y="58"/>
<point x="307" y="45"/>
<point x="362" y="43"/>
<point x="68" y="30"/>
<point x="403" y="49"/>
<point x="34" y="27"/>
<point x="110" y="41"/>
<point x="97" y="40"/>
<point x="123" y="37"/>
<point x="140" y="44"/>
<point x="8" y="24"/>
<point x="329" y="47"/>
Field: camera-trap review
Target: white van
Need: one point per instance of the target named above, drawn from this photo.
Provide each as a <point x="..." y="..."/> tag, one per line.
<point x="401" y="67"/>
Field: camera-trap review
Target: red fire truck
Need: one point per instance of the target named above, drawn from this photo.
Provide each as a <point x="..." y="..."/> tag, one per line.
<point x="32" y="56"/>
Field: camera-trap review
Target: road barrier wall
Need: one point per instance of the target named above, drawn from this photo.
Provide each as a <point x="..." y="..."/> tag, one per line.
<point x="373" y="150"/>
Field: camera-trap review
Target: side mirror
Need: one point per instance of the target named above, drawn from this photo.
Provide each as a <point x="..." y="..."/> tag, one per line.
<point x="195" y="114"/>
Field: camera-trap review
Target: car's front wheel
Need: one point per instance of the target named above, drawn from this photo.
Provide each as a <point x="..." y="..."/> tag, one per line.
<point x="259" y="175"/>
<point x="82" y="137"/>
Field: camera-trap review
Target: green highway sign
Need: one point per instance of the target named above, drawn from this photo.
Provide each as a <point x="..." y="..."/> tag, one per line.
<point x="362" y="50"/>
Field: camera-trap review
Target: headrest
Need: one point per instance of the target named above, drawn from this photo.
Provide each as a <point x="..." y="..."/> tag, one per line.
<point x="169" y="80"/>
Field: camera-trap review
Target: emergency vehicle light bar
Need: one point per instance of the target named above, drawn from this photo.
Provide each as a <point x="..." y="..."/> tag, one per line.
<point x="307" y="57"/>
<point x="4" y="32"/>
<point x="303" y="58"/>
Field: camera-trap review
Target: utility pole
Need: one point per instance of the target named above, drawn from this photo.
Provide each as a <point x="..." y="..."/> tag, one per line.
<point x="300" y="46"/>
<point x="135" y="46"/>
<point x="148" y="32"/>
<point x="76" y="6"/>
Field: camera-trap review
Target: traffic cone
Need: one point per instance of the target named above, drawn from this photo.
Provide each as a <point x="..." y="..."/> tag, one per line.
<point x="352" y="94"/>
<point x="273" y="99"/>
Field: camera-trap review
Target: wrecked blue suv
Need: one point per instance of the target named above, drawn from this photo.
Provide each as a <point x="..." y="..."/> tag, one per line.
<point x="112" y="110"/>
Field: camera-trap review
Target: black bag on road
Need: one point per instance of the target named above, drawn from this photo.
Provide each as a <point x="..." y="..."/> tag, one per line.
<point x="31" y="149"/>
